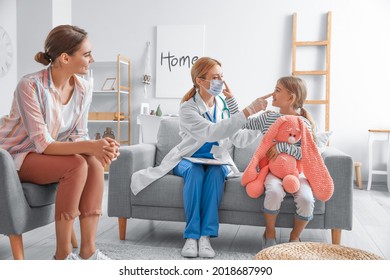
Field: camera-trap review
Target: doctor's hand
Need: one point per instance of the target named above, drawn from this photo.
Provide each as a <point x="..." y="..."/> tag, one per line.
<point x="258" y="104"/>
<point x="226" y="91"/>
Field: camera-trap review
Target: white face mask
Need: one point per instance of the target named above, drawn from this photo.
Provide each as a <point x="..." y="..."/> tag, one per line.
<point x="216" y="87"/>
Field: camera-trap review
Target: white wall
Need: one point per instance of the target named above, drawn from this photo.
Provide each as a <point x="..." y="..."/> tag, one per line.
<point x="28" y="24"/>
<point x="34" y="21"/>
<point x="252" y="38"/>
<point x="7" y="83"/>
<point x="62" y="12"/>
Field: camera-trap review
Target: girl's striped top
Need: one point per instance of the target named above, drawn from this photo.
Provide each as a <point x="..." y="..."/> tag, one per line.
<point x="35" y="117"/>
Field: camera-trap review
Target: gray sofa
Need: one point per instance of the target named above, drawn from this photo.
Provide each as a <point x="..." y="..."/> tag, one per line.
<point x="163" y="199"/>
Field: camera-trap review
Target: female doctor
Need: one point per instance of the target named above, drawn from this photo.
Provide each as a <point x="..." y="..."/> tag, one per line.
<point x="205" y="123"/>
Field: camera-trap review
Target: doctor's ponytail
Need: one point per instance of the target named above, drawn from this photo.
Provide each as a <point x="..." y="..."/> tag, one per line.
<point x="199" y="70"/>
<point x="188" y="95"/>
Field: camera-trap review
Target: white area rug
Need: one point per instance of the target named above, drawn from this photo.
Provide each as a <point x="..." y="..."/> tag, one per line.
<point x="138" y="252"/>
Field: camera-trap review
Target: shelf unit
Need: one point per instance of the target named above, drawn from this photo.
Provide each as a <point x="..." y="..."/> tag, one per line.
<point x="105" y="109"/>
<point x="323" y="72"/>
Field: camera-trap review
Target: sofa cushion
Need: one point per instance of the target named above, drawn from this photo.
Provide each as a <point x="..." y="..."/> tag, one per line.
<point x="168" y="192"/>
<point x="242" y="156"/>
<point x="39" y="195"/>
<point x="164" y="192"/>
<point x="167" y="137"/>
<point x="236" y="199"/>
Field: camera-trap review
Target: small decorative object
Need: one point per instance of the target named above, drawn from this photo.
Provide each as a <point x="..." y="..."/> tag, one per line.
<point x="147" y="77"/>
<point x="109" y="84"/>
<point x="97" y="136"/>
<point x="158" y="111"/>
<point x="121" y="116"/>
<point x="144" y="109"/>
<point x="109" y="133"/>
<point x="152" y="112"/>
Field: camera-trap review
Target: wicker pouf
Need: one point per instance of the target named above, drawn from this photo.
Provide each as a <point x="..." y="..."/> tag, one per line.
<point x="313" y="251"/>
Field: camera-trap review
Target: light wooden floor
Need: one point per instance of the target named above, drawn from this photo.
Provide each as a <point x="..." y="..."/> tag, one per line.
<point x="371" y="231"/>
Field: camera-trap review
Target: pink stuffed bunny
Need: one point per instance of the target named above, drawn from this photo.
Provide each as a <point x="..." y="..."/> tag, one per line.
<point x="289" y="129"/>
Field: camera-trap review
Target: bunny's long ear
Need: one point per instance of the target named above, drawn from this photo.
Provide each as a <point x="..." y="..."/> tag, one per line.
<point x="266" y="143"/>
<point x="314" y="167"/>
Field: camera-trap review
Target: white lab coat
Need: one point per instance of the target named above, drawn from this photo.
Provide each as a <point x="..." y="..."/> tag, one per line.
<point x="196" y="130"/>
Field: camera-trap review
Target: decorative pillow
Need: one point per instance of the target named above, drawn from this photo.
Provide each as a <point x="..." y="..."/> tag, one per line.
<point x="322" y="139"/>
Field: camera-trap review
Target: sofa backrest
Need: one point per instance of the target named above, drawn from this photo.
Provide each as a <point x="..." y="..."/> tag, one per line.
<point x="167" y="137"/>
<point x="242" y="156"/>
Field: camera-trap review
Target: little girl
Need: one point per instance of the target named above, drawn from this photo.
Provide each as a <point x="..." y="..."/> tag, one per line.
<point x="289" y="95"/>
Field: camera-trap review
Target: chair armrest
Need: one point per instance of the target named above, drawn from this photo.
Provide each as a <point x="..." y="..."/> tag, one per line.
<point x="132" y="158"/>
<point x="338" y="210"/>
<point x="13" y="204"/>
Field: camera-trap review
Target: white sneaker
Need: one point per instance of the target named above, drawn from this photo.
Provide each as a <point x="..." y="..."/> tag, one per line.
<point x="98" y="255"/>
<point x="205" y="249"/>
<point x="190" y="248"/>
<point x="70" y="257"/>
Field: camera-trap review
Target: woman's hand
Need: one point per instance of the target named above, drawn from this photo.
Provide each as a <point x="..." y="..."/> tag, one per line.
<point x="113" y="148"/>
<point x="272" y="153"/>
<point x="226" y="91"/>
<point x="105" y="150"/>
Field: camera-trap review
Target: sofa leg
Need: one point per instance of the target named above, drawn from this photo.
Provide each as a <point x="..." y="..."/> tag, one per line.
<point x="336" y="236"/>
<point x="122" y="222"/>
<point x="17" y="246"/>
<point x="74" y="240"/>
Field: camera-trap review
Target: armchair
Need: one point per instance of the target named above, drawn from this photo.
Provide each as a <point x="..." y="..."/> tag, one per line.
<point x="23" y="206"/>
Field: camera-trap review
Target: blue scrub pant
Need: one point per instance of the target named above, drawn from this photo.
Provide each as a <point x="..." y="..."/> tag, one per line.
<point x="203" y="189"/>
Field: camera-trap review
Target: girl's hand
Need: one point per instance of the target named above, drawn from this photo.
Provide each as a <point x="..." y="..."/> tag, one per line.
<point x="226" y="91"/>
<point x="272" y="153"/>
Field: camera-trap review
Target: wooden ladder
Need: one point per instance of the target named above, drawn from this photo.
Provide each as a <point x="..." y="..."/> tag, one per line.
<point x="326" y="72"/>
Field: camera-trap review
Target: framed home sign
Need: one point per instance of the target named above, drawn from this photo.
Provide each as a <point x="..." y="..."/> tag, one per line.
<point x="178" y="47"/>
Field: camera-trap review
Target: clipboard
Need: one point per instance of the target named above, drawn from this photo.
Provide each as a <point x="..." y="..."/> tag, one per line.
<point x="207" y="161"/>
